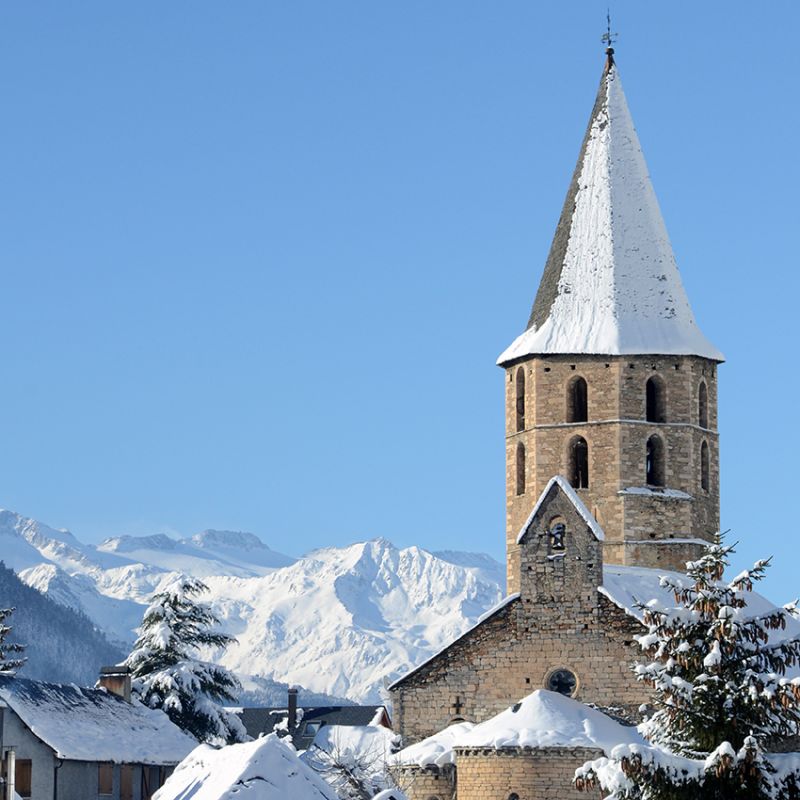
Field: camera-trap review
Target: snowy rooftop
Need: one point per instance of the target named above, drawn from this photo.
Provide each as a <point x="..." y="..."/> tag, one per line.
<point x="629" y="586"/>
<point x="611" y="284"/>
<point x="542" y="719"/>
<point x="265" y="769"/>
<point x="93" y="724"/>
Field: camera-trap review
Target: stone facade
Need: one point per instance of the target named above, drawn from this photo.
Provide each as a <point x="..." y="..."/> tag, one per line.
<point x="559" y="620"/>
<point x="530" y="774"/>
<point x="645" y="524"/>
<point x="426" y="783"/>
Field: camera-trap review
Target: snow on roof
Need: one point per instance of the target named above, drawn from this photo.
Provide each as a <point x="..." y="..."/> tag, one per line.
<point x="483" y="617"/>
<point x="436" y="750"/>
<point x="94" y="725"/>
<point x="542" y="719"/>
<point x="629" y="586"/>
<point x="265" y="769"/>
<point x="549" y="719"/>
<point x="580" y="507"/>
<point x="611" y="285"/>
<point x="374" y="740"/>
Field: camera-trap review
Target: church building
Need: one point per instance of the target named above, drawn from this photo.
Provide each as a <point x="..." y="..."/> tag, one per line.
<point x="612" y="477"/>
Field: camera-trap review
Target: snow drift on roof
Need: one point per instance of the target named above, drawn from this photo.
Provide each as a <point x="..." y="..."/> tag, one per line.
<point x="549" y="719"/>
<point x="436" y="750"/>
<point x="629" y="586"/>
<point x="265" y="769"/>
<point x="93" y="724"/>
<point x="611" y="284"/>
<point x="542" y="719"/>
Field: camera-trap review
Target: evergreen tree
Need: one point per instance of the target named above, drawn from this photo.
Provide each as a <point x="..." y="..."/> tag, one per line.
<point x="168" y="674"/>
<point x="722" y="698"/>
<point x="8" y="665"/>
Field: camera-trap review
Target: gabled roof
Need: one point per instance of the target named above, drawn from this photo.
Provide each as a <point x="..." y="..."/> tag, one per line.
<point x="258" y="721"/>
<point x="266" y="769"/>
<point x="81" y="724"/>
<point x="611" y="284"/>
<point x="560" y="483"/>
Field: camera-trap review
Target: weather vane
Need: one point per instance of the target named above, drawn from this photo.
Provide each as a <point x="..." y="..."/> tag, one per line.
<point x="609" y="38"/>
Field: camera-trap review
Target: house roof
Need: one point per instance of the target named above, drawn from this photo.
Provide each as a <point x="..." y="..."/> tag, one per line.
<point x="265" y="769"/>
<point x="258" y="721"/>
<point x="611" y="284"/>
<point x="81" y="724"/>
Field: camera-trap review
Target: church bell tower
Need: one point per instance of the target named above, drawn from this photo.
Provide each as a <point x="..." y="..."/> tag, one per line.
<point x="612" y="385"/>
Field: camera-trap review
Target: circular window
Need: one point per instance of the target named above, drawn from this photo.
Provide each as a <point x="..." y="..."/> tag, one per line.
<point x="562" y="681"/>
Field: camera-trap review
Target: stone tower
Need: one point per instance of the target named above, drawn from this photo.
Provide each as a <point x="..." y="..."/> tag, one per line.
<point x="613" y="385"/>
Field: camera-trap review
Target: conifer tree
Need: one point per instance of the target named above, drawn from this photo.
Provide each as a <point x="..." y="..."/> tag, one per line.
<point x="8" y="664"/>
<point x="722" y="696"/>
<point x="168" y="674"/>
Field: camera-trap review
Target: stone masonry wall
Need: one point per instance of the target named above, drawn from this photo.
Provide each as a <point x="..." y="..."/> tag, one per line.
<point x="616" y="433"/>
<point x="510" y="655"/>
<point x="430" y="783"/>
<point x="532" y="774"/>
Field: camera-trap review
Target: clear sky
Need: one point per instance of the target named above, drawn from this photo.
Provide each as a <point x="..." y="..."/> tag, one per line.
<point x="258" y="258"/>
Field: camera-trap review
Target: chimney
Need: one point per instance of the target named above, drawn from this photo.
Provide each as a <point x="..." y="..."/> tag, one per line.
<point x="292" y="720"/>
<point x="117" y="680"/>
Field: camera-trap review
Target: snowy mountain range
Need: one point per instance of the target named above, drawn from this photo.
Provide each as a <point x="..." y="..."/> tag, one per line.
<point x="338" y="621"/>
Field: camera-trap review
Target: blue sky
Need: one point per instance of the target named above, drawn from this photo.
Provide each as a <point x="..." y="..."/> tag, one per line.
<point x="259" y="258"/>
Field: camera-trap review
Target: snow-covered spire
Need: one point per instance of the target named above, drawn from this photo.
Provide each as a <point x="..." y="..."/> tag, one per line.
<point x="611" y="285"/>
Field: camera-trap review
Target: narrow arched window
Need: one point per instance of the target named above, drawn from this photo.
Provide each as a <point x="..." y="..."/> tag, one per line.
<point x="702" y="405"/>
<point x="577" y="400"/>
<point x="520" y="407"/>
<point x="578" y="462"/>
<point x="656" y="400"/>
<point x="655" y="462"/>
<point x="520" y="468"/>
<point x="705" y="477"/>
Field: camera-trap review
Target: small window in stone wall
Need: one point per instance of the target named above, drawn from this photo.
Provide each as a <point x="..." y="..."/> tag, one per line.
<point x="520" y="466"/>
<point x="654" y="462"/>
<point x="562" y="681"/>
<point x="577" y="400"/>
<point x="578" y="463"/>
<point x="656" y="400"/>
<point x="513" y="796"/>
<point x="520" y="395"/>
<point x="705" y="478"/>
<point x="702" y="404"/>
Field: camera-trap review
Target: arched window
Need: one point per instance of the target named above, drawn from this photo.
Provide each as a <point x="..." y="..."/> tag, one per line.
<point x="513" y="796"/>
<point x="655" y="461"/>
<point x="577" y="400"/>
<point x="704" y="467"/>
<point x="702" y="405"/>
<point x="520" y="399"/>
<point x="656" y="400"/>
<point x="578" y="462"/>
<point x="520" y="468"/>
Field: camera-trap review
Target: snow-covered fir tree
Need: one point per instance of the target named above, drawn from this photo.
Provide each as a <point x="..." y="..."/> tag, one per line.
<point x="10" y="661"/>
<point x="721" y="692"/>
<point x="168" y="673"/>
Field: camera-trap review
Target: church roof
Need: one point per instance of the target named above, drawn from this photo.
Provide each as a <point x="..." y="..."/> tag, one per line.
<point x="611" y="285"/>
<point x="542" y="719"/>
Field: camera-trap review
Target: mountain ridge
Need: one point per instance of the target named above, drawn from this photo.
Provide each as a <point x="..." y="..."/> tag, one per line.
<point x="339" y="621"/>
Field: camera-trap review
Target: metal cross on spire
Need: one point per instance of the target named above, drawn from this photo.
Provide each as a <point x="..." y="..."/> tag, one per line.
<point x="608" y="39"/>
